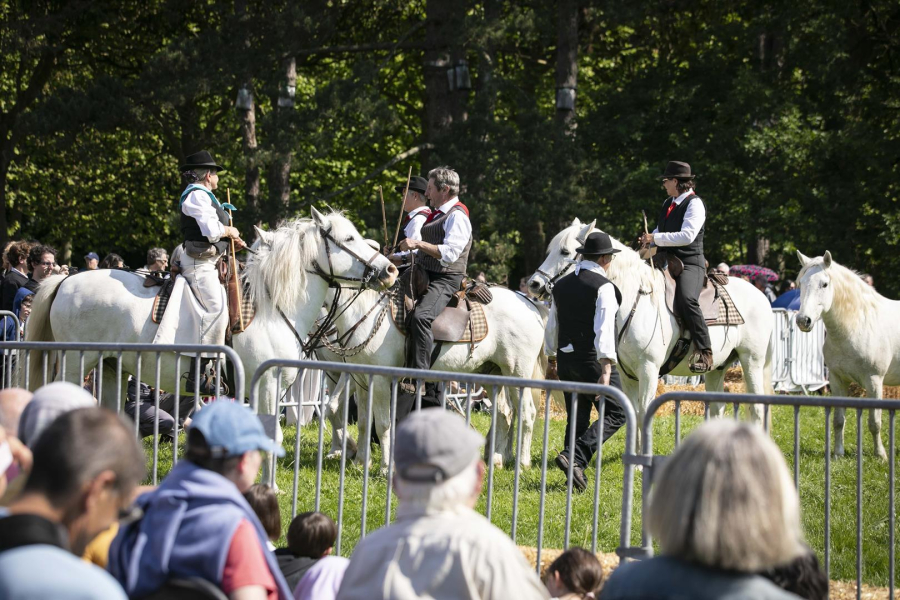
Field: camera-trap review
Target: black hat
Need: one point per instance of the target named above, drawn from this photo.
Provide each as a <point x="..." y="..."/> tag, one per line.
<point x="678" y="170"/>
<point x="201" y="160"/>
<point x="416" y="184"/>
<point x="597" y="243"/>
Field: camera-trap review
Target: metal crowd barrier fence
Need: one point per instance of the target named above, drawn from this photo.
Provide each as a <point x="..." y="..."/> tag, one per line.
<point x="781" y="360"/>
<point x="160" y="364"/>
<point x="9" y="356"/>
<point x="798" y="363"/>
<point x="364" y="377"/>
<point x="651" y="462"/>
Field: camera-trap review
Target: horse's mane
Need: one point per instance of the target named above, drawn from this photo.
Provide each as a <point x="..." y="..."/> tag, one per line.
<point x="852" y="295"/>
<point x="276" y="275"/>
<point x="631" y="274"/>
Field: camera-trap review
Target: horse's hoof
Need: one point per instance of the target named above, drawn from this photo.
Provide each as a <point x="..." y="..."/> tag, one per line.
<point x="881" y="454"/>
<point x="838" y="452"/>
<point x="525" y="464"/>
<point x="334" y="455"/>
<point x="498" y="461"/>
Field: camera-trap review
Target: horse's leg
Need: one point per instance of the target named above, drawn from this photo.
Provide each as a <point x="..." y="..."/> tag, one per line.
<point x="334" y="412"/>
<point x="648" y="377"/>
<point x="504" y="428"/>
<point x="839" y="387"/>
<point x="381" y="418"/>
<point x="527" y="416"/>
<point x="631" y="389"/>
<point x="873" y="387"/>
<point x="267" y="390"/>
<point x="753" y="368"/>
<point x="113" y="393"/>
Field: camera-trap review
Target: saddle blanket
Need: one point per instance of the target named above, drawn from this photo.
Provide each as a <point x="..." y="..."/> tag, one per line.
<point x="175" y="292"/>
<point x="452" y="325"/>
<point x="715" y="302"/>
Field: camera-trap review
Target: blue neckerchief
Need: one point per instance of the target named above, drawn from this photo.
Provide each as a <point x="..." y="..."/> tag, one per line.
<point x="192" y="187"/>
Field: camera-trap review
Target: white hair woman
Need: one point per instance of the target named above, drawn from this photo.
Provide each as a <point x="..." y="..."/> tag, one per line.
<point x="722" y="508"/>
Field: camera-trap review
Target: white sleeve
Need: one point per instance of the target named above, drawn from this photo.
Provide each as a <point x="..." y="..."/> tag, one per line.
<point x="198" y="206"/>
<point x="605" y="323"/>
<point x="694" y="217"/>
<point x="551" y="340"/>
<point x="458" y="233"/>
<point x="413" y="229"/>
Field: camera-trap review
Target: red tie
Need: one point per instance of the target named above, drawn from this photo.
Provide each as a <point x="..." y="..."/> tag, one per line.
<point x="671" y="208"/>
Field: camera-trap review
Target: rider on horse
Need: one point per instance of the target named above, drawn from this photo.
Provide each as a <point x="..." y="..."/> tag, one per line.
<point x="417" y="212"/>
<point x="205" y="228"/>
<point x="679" y="232"/>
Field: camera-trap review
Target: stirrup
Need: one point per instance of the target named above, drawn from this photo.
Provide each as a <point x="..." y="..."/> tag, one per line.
<point x="207" y="385"/>
<point x="700" y="366"/>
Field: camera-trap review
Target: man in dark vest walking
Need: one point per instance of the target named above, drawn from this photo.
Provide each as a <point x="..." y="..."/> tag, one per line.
<point x="417" y="212"/>
<point x="443" y="252"/>
<point x="582" y="329"/>
<point x="679" y="232"/>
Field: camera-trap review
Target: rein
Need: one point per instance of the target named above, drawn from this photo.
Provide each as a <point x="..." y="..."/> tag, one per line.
<point x="332" y="279"/>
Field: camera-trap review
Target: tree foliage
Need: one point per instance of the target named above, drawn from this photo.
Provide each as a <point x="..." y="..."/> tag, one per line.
<point x="788" y="110"/>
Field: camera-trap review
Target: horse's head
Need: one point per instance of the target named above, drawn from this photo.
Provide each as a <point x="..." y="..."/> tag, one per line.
<point x="816" y="289"/>
<point x="346" y="258"/>
<point x="560" y="258"/>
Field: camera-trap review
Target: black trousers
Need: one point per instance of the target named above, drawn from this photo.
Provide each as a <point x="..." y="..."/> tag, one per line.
<point x="166" y="410"/>
<point x="420" y="340"/>
<point x="687" y="292"/>
<point x="573" y="366"/>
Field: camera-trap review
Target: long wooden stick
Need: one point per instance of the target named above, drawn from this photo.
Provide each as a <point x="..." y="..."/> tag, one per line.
<point x="234" y="265"/>
<point x="402" y="202"/>
<point x="383" y="216"/>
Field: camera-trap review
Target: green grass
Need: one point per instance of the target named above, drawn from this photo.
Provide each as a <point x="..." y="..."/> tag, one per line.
<point x="812" y="491"/>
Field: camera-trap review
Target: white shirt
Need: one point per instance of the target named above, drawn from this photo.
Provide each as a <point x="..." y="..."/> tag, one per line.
<point x="605" y="311"/>
<point x="455" y="553"/>
<point x="457" y="232"/>
<point x="694" y="217"/>
<point x="413" y="229"/>
<point x="198" y="205"/>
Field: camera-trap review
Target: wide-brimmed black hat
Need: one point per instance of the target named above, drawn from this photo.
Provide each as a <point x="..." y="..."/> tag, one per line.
<point x="678" y="170"/>
<point x="416" y="184"/>
<point x="597" y="243"/>
<point x="201" y="160"/>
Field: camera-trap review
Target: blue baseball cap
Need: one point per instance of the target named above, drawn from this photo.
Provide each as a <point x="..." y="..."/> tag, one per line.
<point x="91" y="256"/>
<point x="231" y="429"/>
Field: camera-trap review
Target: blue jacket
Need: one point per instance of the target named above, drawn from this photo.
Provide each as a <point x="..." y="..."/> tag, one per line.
<point x="186" y="531"/>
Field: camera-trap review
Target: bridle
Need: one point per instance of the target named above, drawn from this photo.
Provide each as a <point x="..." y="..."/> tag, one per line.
<point x="551" y="281"/>
<point x="334" y="280"/>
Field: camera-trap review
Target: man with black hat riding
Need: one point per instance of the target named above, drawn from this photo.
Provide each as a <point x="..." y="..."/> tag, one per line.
<point x="417" y="212"/>
<point x="582" y="328"/>
<point x="205" y="228"/>
<point x="679" y="232"/>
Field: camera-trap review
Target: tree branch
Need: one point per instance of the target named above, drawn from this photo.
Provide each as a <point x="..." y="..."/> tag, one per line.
<point x="411" y="152"/>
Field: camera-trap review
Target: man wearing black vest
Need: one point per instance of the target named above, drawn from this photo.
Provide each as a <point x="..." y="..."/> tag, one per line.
<point x="417" y="212"/>
<point x="204" y="225"/>
<point x="679" y="232"/>
<point x="443" y="252"/>
<point x="582" y="328"/>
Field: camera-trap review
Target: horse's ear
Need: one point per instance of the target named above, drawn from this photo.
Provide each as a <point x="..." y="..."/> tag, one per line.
<point x="826" y="260"/>
<point x="803" y="258"/>
<point x="318" y="217"/>
<point x="373" y="244"/>
<point x="586" y="231"/>
<point x="575" y="222"/>
<point x="265" y="237"/>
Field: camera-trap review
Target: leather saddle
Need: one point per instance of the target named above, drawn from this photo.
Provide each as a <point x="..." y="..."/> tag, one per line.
<point x="713" y="297"/>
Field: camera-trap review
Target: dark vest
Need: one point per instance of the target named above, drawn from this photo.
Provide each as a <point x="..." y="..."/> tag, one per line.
<point x="190" y="230"/>
<point x="692" y="254"/>
<point x="433" y="232"/>
<point x="402" y="235"/>
<point x="575" y="297"/>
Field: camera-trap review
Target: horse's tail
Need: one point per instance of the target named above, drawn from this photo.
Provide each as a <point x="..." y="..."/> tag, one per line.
<point x="39" y="329"/>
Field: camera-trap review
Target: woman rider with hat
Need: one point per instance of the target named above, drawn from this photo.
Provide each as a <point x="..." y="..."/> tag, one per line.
<point x="679" y="232"/>
<point x="205" y="228"/>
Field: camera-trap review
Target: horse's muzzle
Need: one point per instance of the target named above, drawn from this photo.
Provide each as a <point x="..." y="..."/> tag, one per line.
<point x="537" y="288"/>
<point x="388" y="276"/>
<point x="804" y="323"/>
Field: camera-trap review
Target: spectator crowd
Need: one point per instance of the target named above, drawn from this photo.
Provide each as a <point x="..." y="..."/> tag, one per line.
<point x="75" y="521"/>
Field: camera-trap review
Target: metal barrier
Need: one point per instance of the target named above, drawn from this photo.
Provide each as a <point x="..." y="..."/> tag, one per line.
<point x="781" y="359"/>
<point x="651" y="462"/>
<point x="9" y="356"/>
<point x="365" y="378"/>
<point x="798" y="362"/>
<point x="143" y="361"/>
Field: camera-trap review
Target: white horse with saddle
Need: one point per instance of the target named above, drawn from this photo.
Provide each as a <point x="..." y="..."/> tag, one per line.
<point x="287" y="277"/>
<point x="863" y="341"/>
<point x="649" y="333"/>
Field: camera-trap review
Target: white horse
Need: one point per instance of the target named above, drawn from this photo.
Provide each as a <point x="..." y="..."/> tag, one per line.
<point x="513" y="347"/>
<point x="863" y="331"/>
<point x="653" y="331"/>
<point x="289" y="273"/>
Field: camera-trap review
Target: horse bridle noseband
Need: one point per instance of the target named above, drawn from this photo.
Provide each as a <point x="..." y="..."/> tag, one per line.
<point x="551" y="281"/>
<point x="334" y="280"/>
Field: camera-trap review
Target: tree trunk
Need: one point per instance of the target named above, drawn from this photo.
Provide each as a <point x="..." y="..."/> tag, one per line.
<point x="566" y="63"/>
<point x="442" y="102"/>
<point x="251" y="149"/>
<point x="280" y="169"/>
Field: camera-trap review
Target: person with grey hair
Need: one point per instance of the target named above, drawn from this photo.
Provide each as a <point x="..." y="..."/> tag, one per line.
<point x="722" y="268"/>
<point x="157" y="260"/>
<point x="723" y="507"/>
<point x="438" y="547"/>
<point x="48" y="403"/>
<point x="443" y="253"/>
<point x="85" y="471"/>
<point x="417" y="212"/>
<point x="206" y="230"/>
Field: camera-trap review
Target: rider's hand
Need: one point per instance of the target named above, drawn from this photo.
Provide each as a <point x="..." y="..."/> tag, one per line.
<point x="232" y="232"/>
<point x="646" y="239"/>
<point x="396" y="259"/>
<point x="409" y="244"/>
<point x="239" y="244"/>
